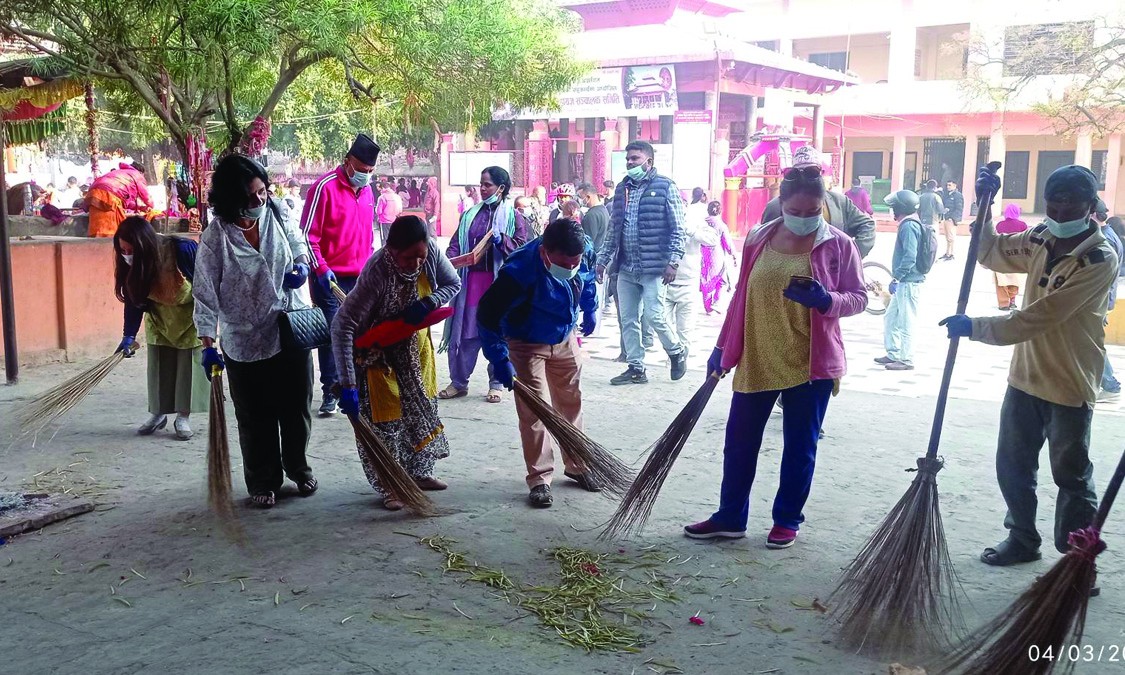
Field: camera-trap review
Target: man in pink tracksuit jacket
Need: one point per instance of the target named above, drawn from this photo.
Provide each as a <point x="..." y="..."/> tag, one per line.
<point x="338" y="220"/>
<point x="387" y="208"/>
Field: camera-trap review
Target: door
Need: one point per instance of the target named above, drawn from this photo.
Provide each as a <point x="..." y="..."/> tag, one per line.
<point x="867" y="164"/>
<point x="943" y="159"/>
<point x="1048" y="161"/>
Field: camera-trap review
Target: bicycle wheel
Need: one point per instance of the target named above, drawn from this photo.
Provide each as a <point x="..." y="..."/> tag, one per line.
<point x="877" y="279"/>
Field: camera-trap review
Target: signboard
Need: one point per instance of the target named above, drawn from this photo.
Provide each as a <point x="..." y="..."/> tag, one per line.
<point x="691" y="138"/>
<point x="633" y="91"/>
<point x="465" y="167"/>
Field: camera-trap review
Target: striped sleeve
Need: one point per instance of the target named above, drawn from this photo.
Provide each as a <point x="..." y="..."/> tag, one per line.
<point x="312" y="219"/>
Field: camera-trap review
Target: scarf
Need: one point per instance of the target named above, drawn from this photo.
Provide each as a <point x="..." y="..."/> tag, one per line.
<point x="504" y="213"/>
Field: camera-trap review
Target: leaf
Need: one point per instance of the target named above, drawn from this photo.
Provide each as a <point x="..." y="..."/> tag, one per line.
<point x="97" y="566"/>
<point x="122" y="600"/>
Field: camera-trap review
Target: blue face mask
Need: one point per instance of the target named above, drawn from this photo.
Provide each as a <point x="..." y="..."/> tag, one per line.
<point x="359" y="179"/>
<point x="254" y="213"/>
<point x="493" y="199"/>
<point x="561" y="273"/>
<point x="802" y="226"/>
<point x="1070" y="228"/>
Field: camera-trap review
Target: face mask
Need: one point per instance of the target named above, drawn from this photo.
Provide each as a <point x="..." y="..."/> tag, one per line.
<point x="637" y="172"/>
<point x="254" y="213"/>
<point x="562" y="273"/>
<point x="1070" y="228"/>
<point x="359" y="179"/>
<point x="801" y="226"/>
<point x="493" y="199"/>
<point x="128" y="259"/>
<point x="526" y="211"/>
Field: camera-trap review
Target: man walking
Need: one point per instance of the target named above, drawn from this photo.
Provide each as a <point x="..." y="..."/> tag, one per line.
<point x="527" y="322"/>
<point x="387" y="209"/>
<point x="1059" y="339"/>
<point x="682" y="297"/>
<point x="930" y="207"/>
<point x="646" y="241"/>
<point x="906" y="285"/>
<point x="954" y="212"/>
<point x="338" y="222"/>
<point x="860" y="197"/>
<point x="596" y="221"/>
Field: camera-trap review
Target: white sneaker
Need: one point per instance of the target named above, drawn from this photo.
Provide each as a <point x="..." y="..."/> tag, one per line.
<point x="155" y="422"/>
<point x="1106" y="396"/>
<point x="183" y="430"/>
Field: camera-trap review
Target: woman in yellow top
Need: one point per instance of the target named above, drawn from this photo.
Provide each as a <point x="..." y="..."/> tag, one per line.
<point x="397" y="386"/>
<point x="152" y="276"/>
<point x="782" y="337"/>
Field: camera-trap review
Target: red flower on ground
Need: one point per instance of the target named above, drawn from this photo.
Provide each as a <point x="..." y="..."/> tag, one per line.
<point x="697" y="620"/>
<point x="591" y="569"/>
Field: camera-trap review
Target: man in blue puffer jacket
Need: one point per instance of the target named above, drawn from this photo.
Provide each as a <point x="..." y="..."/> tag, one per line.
<point x="646" y="240"/>
<point x="526" y="321"/>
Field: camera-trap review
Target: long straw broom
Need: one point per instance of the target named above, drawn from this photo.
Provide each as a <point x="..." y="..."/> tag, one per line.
<point x="1045" y="624"/>
<point x="220" y="494"/>
<point x="901" y="593"/>
<point x="52" y="404"/>
<point x="606" y="470"/>
<point x="636" y="505"/>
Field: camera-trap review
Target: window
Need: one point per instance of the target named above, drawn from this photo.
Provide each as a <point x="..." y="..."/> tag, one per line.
<point x="918" y="63"/>
<point x="1015" y="174"/>
<point x="834" y="60"/>
<point x="1047" y="49"/>
<point x="771" y="45"/>
<point x="1098" y="166"/>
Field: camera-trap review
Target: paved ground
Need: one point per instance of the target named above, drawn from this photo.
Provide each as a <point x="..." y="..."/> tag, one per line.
<point x="335" y="584"/>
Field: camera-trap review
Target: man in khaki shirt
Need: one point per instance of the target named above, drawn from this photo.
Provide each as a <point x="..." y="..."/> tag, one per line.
<point x="1058" y="360"/>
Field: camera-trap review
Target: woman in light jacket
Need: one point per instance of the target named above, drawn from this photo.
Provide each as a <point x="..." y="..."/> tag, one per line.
<point x="782" y="338"/>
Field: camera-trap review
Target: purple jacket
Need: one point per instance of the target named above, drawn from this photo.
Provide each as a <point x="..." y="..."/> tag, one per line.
<point x="861" y="199"/>
<point x="837" y="266"/>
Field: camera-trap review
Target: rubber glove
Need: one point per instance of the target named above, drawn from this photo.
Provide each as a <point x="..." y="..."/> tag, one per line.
<point x="211" y="359"/>
<point x="505" y="373"/>
<point x="326" y="280"/>
<point x="417" y="312"/>
<point x="496" y="238"/>
<point x="958" y="325"/>
<point x="813" y="297"/>
<point x="297" y="277"/>
<point x="349" y="401"/>
<point x="987" y="182"/>
<point x="715" y="363"/>
<point x="589" y="323"/>
<point x="893" y="288"/>
<point x="128" y="346"/>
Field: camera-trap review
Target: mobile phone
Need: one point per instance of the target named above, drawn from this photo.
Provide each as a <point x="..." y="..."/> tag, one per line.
<point x="802" y="281"/>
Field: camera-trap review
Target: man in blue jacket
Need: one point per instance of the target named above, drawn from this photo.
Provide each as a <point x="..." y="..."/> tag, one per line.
<point x="526" y="321"/>
<point x="906" y="287"/>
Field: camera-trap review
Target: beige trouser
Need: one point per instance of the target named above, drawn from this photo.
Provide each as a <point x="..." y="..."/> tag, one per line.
<point x="949" y="229"/>
<point x="555" y="369"/>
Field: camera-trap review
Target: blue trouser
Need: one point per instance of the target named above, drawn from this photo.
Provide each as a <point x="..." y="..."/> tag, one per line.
<point x="1109" y="382"/>
<point x="329" y="305"/>
<point x="801" y="421"/>
<point x="898" y="322"/>
<point x="641" y="298"/>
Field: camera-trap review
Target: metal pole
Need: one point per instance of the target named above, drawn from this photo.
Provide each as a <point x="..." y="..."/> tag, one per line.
<point x="11" y="356"/>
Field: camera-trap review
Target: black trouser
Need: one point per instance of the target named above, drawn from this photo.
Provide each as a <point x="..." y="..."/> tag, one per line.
<point x="328" y="304"/>
<point x="271" y="402"/>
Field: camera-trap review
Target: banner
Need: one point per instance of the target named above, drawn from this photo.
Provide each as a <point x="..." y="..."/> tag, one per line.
<point x="635" y="91"/>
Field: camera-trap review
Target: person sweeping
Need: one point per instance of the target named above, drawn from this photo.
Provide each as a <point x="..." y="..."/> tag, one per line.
<point x="152" y="277"/>
<point x="396" y="387"/>
<point x="1056" y="370"/>
<point x="799" y="277"/>
<point x="527" y="321"/>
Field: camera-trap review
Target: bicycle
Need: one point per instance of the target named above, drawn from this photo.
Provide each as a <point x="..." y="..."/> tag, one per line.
<point x="877" y="281"/>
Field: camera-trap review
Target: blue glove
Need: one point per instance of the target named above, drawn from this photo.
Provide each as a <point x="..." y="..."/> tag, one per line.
<point x="893" y="288"/>
<point x="715" y="363"/>
<point x="958" y="325"/>
<point x="326" y="280"/>
<point x="987" y="182"/>
<point x="505" y="373"/>
<point x="589" y="323"/>
<point x="813" y="297"/>
<point x="296" y="278"/>
<point x="417" y="312"/>
<point x="349" y="401"/>
<point x="212" y="359"/>
<point x="128" y="346"/>
<point x="496" y="238"/>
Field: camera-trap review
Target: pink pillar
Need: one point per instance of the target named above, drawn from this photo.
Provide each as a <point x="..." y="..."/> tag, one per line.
<point x="449" y="193"/>
<point x="538" y="155"/>
<point x="603" y="151"/>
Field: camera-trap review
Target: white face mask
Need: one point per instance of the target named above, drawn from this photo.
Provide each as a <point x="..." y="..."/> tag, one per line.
<point x="128" y="259"/>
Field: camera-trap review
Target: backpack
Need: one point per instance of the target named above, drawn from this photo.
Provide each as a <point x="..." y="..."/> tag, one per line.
<point x="927" y="248"/>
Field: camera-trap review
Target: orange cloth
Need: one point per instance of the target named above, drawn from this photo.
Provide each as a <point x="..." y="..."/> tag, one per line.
<point x="127" y="184"/>
<point x="106" y="212"/>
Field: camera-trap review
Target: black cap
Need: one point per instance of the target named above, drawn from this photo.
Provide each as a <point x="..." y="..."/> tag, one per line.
<point x="365" y="150"/>
<point x="1071" y="184"/>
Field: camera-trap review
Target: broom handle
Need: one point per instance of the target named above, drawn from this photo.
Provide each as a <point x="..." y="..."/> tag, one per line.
<point x="984" y="208"/>
<point x="1110" y="494"/>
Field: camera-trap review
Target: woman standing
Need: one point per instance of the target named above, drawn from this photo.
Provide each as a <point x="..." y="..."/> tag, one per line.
<point x="415" y="194"/>
<point x="397" y="387"/>
<point x="1008" y="285"/>
<point x="431" y="204"/>
<point x="468" y="199"/>
<point x="248" y="270"/>
<point x="152" y="277"/>
<point x="782" y="337"/>
<point x="496" y="218"/>
<point x="713" y="272"/>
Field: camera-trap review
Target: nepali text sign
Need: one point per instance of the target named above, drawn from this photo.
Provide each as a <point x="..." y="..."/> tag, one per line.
<point x="633" y="91"/>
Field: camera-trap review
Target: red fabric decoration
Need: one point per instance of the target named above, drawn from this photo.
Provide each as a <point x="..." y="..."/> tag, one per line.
<point x="393" y="331"/>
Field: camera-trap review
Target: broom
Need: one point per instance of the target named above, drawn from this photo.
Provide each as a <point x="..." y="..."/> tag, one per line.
<point x="636" y="505"/>
<point x="1048" y="619"/>
<point x="393" y="478"/>
<point x="613" y="475"/>
<point x="58" y="400"/>
<point x="220" y="495"/>
<point x="900" y="594"/>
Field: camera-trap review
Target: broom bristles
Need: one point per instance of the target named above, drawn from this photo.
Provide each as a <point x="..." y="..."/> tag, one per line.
<point x="613" y="475"/>
<point x="339" y="294"/>
<point x="52" y="404"/>
<point x="220" y="493"/>
<point x="392" y="477"/>
<point x="900" y="595"/>
<point x="636" y="506"/>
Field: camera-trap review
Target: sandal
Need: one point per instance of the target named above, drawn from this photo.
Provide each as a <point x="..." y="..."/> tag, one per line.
<point x="1006" y="553"/>
<point x="431" y="483"/>
<point x="451" y="392"/>
<point x="494" y="396"/>
<point x="265" y="500"/>
<point x="392" y="503"/>
<point x="308" y="487"/>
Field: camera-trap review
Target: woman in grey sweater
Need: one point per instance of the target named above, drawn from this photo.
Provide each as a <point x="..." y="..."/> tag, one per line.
<point x="396" y="387"/>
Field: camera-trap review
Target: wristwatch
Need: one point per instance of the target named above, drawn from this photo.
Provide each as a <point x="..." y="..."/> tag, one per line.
<point x="674" y="265"/>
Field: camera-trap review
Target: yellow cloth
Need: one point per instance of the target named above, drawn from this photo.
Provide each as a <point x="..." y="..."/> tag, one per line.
<point x="106" y="212"/>
<point x="382" y="385"/>
<point x="775" y="354"/>
<point x="169" y="320"/>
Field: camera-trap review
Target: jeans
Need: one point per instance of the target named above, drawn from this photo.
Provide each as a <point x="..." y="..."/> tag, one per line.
<point x="329" y="305"/>
<point x="898" y="322"/>
<point x="805" y="406"/>
<point x="1025" y="423"/>
<point x="1109" y="382"/>
<point x="637" y="294"/>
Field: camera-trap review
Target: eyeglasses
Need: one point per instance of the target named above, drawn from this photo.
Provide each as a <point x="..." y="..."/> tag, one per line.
<point x="803" y="173"/>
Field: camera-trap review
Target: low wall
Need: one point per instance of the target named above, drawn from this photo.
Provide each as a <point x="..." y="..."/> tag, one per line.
<point x="75" y="226"/>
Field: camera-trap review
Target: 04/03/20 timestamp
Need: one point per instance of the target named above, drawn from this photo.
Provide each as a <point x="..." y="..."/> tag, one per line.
<point x="1077" y="653"/>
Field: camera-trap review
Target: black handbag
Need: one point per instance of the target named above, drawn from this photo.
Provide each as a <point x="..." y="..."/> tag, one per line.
<point x="304" y="329"/>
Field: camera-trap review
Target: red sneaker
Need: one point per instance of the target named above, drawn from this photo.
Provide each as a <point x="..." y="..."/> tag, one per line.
<point x="708" y="529"/>
<point x="781" y="537"/>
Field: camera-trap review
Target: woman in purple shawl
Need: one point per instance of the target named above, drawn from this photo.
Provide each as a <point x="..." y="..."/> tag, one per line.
<point x="492" y="217"/>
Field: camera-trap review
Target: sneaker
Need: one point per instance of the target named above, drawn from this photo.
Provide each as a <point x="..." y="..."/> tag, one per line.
<point x="884" y="360"/>
<point x="632" y="376"/>
<point x="182" y="428"/>
<point x="329" y="405"/>
<point x="708" y="529"/>
<point x="1107" y="395"/>
<point x="154" y="423"/>
<point x="679" y="364"/>
<point x="899" y="365"/>
<point x="540" y="497"/>
<point x="584" y="480"/>
<point x="781" y="537"/>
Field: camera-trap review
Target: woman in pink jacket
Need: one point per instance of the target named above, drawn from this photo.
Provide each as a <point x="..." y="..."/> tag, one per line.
<point x="782" y="339"/>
